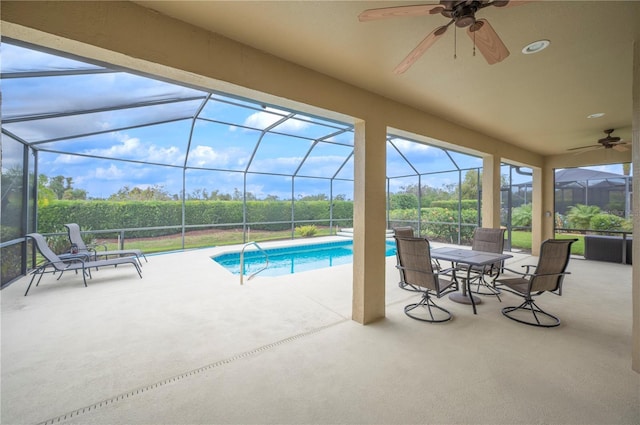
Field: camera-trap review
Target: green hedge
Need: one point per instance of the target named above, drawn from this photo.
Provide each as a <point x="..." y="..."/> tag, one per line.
<point x="435" y="226"/>
<point x="435" y="222"/>
<point x="465" y="204"/>
<point x="100" y="215"/>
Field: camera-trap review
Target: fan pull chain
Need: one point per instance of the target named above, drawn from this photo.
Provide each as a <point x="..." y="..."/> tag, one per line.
<point x="474" y="43"/>
<point x="455" y="42"/>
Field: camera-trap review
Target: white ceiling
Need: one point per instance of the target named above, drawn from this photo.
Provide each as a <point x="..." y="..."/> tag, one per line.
<point x="539" y="102"/>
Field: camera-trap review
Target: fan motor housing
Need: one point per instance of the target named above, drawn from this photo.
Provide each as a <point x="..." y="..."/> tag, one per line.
<point x="464" y="14"/>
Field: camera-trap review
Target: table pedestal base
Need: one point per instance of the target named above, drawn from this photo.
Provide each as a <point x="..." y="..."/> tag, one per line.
<point x="464" y="298"/>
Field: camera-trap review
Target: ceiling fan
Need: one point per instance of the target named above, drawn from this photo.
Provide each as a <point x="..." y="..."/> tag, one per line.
<point x="462" y="14"/>
<point x="608" y="142"/>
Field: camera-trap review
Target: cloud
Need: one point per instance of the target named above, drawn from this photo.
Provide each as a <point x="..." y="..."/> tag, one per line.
<point x="261" y="119"/>
<point x="111" y="173"/>
<point x="133" y="148"/>
<point x="408" y="146"/>
<point x="69" y="159"/>
<point x="270" y="116"/>
<point x="203" y="156"/>
<point x="280" y="165"/>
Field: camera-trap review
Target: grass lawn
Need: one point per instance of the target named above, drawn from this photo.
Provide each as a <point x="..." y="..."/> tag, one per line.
<point x="522" y="240"/>
<point x="210" y="238"/>
<point x="202" y="239"/>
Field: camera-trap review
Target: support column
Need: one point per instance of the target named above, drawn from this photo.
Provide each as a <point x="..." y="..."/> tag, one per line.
<point x="635" y="140"/>
<point x="543" y="208"/>
<point x="369" y="224"/>
<point x="491" y="191"/>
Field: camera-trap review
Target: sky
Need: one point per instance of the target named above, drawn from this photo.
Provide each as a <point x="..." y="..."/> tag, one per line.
<point x="84" y="131"/>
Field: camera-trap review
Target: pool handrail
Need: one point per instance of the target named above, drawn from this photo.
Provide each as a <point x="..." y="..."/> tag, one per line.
<point x="242" y="260"/>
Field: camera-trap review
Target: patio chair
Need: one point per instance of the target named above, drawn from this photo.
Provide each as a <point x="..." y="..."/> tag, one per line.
<point x="488" y="240"/>
<point x="74" y="262"/>
<point x="75" y="238"/>
<point x="414" y="257"/>
<point x="403" y="232"/>
<point x="546" y="276"/>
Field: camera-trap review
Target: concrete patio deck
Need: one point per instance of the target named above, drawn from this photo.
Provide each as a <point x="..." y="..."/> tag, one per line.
<point x="188" y="344"/>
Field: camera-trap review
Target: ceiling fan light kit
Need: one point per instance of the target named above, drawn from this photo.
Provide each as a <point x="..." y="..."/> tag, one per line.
<point x="461" y="13"/>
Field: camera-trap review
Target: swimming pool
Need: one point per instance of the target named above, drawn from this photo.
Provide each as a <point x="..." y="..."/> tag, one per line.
<point x="294" y="259"/>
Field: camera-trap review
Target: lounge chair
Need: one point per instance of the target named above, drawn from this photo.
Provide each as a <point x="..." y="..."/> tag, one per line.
<point x="75" y="238"/>
<point x="71" y="262"/>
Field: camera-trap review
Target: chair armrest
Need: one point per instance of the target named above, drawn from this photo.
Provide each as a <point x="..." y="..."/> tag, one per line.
<point x="519" y="273"/>
<point x="93" y="247"/>
<point x="70" y="257"/>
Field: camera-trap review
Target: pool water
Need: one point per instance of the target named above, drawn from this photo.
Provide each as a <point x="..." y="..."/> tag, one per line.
<point x="294" y="259"/>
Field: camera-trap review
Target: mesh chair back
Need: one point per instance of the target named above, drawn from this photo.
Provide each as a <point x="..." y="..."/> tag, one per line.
<point x="75" y="237"/>
<point x="414" y="256"/>
<point x="488" y="240"/>
<point x="46" y="252"/>
<point x="554" y="258"/>
<point x="403" y="232"/>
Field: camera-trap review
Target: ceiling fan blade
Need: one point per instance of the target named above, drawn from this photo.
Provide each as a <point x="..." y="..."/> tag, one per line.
<point x="487" y="41"/>
<point x="420" y="49"/>
<point x="510" y="3"/>
<point x="584" y="147"/>
<point x="398" y="11"/>
<point x="621" y="147"/>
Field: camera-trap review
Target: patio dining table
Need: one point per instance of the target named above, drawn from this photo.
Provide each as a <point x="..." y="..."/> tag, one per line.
<point x="471" y="258"/>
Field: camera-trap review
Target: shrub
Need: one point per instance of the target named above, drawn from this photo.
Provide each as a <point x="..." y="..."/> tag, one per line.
<point x="441" y="224"/>
<point x="521" y="216"/>
<point x="606" y="222"/>
<point x="579" y="216"/>
<point x="403" y="215"/>
<point x="306" y="231"/>
<point x="561" y="221"/>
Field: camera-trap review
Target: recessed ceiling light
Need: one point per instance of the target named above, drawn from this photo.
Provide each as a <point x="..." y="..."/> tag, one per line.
<point x="597" y="115"/>
<point x="535" y="47"/>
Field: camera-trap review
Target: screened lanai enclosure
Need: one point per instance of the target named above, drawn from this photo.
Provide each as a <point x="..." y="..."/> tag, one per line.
<point x="133" y="158"/>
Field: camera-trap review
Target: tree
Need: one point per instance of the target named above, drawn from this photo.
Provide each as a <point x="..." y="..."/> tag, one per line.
<point x="56" y="184"/>
<point x="45" y="195"/>
<point x="70" y="194"/>
<point x="403" y="201"/>
<point x="318" y="197"/>
<point x="152" y="193"/>
<point x="429" y="194"/>
<point x="471" y="184"/>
